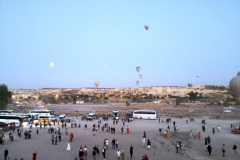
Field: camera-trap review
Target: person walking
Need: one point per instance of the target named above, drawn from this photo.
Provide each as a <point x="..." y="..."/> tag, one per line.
<point x="118" y="154"/>
<point x="167" y="134"/>
<point x="5" y="154"/>
<point x="235" y="149"/>
<point x="148" y="144"/>
<point x="190" y="134"/>
<point x="131" y="151"/>
<point x="52" y="139"/>
<point x="209" y="140"/>
<point x="123" y="155"/>
<point x="113" y="143"/>
<point x="223" y="150"/>
<point x="68" y="146"/>
<point x="37" y="130"/>
<point x="144" y="134"/>
<point x="209" y="150"/>
<point x="143" y="141"/>
<point x="34" y="155"/>
<point x="145" y="157"/>
<point x="107" y="144"/>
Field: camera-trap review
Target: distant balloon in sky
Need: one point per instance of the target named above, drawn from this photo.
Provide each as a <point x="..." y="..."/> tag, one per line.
<point x="138" y="69"/>
<point x="146" y="27"/>
<point x="105" y="66"/>
<point x="159" y="86"/>
<point x="198" y="75"/>
<point x="119" y="85"/>
<point x="141" y="76"/>
<point x="137" y="82"/>
<point x="190" y="85"/>
<point x="96" y="84"/>
<point x="51" y="64"/>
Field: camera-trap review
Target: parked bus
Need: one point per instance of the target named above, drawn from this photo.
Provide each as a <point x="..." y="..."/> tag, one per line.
<point x="18" y="120"/>
<point x="43" y="112"/>
<point x="3" y="112"/>
<point x="47" y="119"/>
<point x="26" y="116"/>
<point x="115" y="114"/>
<point x="145" y="114"/>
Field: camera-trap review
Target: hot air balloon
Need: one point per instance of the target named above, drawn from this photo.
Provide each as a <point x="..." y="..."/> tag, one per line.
<point x="119" y="85"/>
<point x="146" y="27"/>
<point x="138" y="69"/>
<point x="137" y="82"/>
<point x="141" y="76"/>
<point x="51" y="64"/>
<point x="190" y="85"/>
<point x="96" y="84"/>
<point x="159" y="86"/>
<point x="198" y="75"/>
<point x="234" y="86"/>
<point x="105" y="66"/>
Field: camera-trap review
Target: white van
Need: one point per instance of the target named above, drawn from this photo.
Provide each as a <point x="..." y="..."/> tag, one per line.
<point x="62" y="117"/>
<point x="91" y="116"/>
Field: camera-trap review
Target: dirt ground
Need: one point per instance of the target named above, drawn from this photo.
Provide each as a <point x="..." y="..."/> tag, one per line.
<point x="161" y="148"/>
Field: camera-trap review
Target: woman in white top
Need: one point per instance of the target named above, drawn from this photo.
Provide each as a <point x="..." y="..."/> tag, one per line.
<point x="68" y="146"/>
<point x="107" y="144"/>
<point x="85" y="151"/>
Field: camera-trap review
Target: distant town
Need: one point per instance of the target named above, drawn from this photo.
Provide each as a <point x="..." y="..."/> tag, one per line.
<point x="104" y="95"/>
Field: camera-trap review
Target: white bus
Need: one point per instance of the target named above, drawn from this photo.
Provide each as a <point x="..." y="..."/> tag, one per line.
<point x="43" y="113"/>
<point x="3" y="112"/>
<point x="145" y="114"/>
<point x="18" y="120"/>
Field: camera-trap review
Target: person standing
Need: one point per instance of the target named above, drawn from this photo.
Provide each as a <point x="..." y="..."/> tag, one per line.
<point x="116" y="142"/>
<point x="107" y="144"/>
<point x="177" y="145"/>
<point x="143" y="141"/>
<point x="81" y="153"/>
<point x="209" y="150"/>
<point x="223" y="150"/>
<point x="191" y="134"/>
<point x="5" y="154"/>
<point x="213" y="130"/>
<point x="85" y="151"/>
<point x="113" y="143"/>
<point x="167" y="134"/>
<point x="206" y="144"/>
<point x="34" y="155"/>
<point x="199" y="136"/>
<point x="131" y="151"/>
<point x="209" y="140"/>
<point x="235" y="149"/>
<point x="68" y="146"/>
<point x="119" y="155"/>
<point x="148" y="144"/>
<point x="144" y="134"/>
<point x="56" y="139"/>
<point x="104" y="153"/>
<point x="123" y="155"/>
<point x="94" y="152"/>
<point x="145" y="157"/>
<point x="37" y="130"/>
<point x="52" y="139"/>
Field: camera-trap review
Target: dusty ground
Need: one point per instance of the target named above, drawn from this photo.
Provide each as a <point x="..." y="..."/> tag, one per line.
<point x="162" y="148"/>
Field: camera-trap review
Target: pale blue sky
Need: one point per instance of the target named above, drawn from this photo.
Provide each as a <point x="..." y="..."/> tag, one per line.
<point x="185" y="38"/>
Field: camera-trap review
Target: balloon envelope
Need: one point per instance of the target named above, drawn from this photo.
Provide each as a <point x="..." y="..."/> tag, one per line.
<point x="234" y="86"/>
<point x="137" y="82"/>
<point x="138" y="69"/>
<point x="51" y="64"/>
<point x="96" y="84"/>
<point x="105" y="66"/>
<point x="119" y="85"/>
<point x="198" y="75"/>
<point x="146" y="27"/>
<point x="141" y="76"/>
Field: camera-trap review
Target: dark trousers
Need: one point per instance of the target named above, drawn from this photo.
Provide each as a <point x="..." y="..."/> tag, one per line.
<point x="209" y="153"/>
<point x="177" y="149"/>
<point x="103" y="153"/>
<point x="131" y="154"/>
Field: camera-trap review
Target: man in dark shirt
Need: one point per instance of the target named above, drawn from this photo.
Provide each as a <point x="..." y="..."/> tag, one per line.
<point x="5" y="154"/>
<point x="113" y="143"/>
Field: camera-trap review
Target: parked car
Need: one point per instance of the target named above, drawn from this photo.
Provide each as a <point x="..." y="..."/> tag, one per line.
<point x="227" y="111"/>
<point x="236" y="131"/>
<point x="84" y="117"/>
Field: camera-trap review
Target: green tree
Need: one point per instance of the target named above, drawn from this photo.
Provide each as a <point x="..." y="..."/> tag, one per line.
<point x="4" y="96"/>
<point x="225" y="103"/>
<point x="127" y="103"/>
<point x="192" y="95"/>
